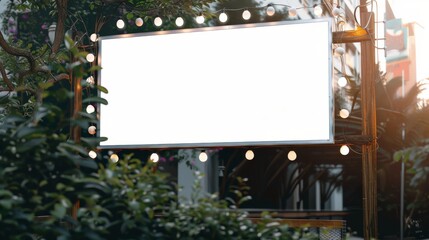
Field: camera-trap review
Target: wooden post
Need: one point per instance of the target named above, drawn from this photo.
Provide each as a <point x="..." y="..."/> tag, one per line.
<point x="369" y="127"/>
<point x="76" y="130"/>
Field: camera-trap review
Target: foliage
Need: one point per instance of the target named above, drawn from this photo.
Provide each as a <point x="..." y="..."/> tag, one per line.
<point x="38" y="171"/>
<point x="417" y="161"/>
<point x="43" y="173"/>
<point x="132" y="200"/>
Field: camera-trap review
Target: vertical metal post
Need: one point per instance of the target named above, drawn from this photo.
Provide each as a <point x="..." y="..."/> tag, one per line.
<point x="402" y="201"/>
<point x="369" y="127"/>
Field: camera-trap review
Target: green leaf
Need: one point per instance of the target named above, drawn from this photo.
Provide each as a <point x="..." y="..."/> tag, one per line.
<point x="94" y="68"/>
<point x="397" y="156"/>
<point x="130" y="16"/>
<point x="93" y="141"/>
<point x="88" y="163"/>
<point x="59" y="211"/>
<point x="73" y="147"/>
<point x="95" y="100"/>
<point x="30" y="144"/>
<point x="102" y="89"/>
<point x="25" y="131"/>
<point x="45" y="85"/>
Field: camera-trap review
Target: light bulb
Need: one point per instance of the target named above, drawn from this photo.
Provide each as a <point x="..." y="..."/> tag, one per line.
<point x="271" y="11"/>
<point x="90" y="80"/>
<point x="203" y="156"/>
<point x="114" y="158"/>
<point x="223" y="17"/>
<point x="318" y="11"/>
<point x="120" y="24"/>
<point x="154" y="157"/>
<point x="90" y="109"/>
<point x="200" y="19"/>
<point x="337" y="11"/>
<point x="292" y="12"/>
<point x="90" y="57"/>
<point x="157" y="21"/>
<point x="246" y="15"/>
<point x="342" y="81"/>
<point x="92" y="154"/>
<point x="139" y="22"/>
<point x="344" y="113"/>
<point x="340" y="51"/>
<point x="344" y="150"/>
<point x="179" y="21"/>
<point x="249" y="155"/>
<point x="93" y="37"/>
<point x="92" y="130"/>
<point x="291" y="156"/>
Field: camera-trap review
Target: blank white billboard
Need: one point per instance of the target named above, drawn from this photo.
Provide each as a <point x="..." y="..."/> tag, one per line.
<point x="245" y="85"/>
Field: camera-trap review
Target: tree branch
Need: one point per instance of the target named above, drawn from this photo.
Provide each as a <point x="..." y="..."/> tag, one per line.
<point x="59" y="77"/>
<point x="18" y="52"/>
<point x="4" y="76"/>
<point x="59" y="31"/>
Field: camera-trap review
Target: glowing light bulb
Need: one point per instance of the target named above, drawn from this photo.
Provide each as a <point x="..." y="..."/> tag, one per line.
<point x="92" y="130"/>
<point x="223" y="17"/>
<point x="90" y="109"/>
<point x="203" y="157"/>
<point x="344" y="113"/>
<point x="250" y="155"/>
<point x="292" y="12"/>
<point x="200" y="19"/>
<point x="90" y="57"/>
<point x="154" y="157"/>
<point x="114" y="158"/>
<point x="246" y="15"/>
<point x="271" y="11"/>
<point x="342" y="81"/>
<point x="179" y="22"/>
<point x="120" y="24"/>
<point x="92" y="154"/>
<point x="93" y="37"/>
<point x="139" y="22"/>
<point x="292" y="156"/>
<point x="157" y="21"/>
<point x="344" y="150"/>
<point x="318" y="11"/>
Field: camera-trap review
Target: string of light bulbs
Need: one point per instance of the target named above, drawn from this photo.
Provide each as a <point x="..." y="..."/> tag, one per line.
<point x="222" y="15"/>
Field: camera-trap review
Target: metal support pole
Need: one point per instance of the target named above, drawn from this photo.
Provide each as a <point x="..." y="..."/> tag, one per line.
<point x="369" y="127"/>
<point x="402" y="201"/>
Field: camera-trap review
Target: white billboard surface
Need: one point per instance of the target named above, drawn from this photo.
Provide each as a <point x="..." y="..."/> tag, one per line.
<point x="246" y="85"/>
